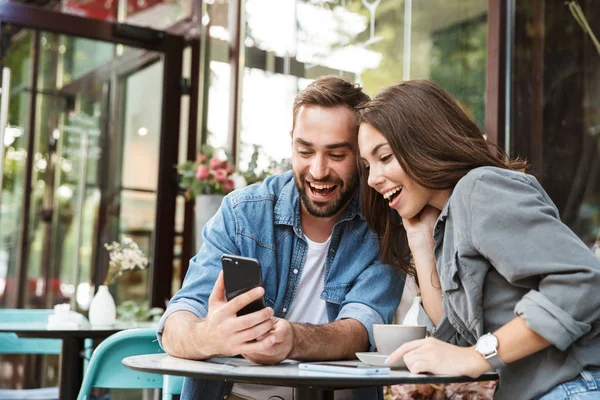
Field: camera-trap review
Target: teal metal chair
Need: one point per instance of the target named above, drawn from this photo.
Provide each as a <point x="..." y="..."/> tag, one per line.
<point x="10" y="343"/>
<point x="106" y="370"/>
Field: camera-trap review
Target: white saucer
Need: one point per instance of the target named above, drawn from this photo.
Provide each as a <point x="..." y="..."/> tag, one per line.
<point x="374" y="358"/>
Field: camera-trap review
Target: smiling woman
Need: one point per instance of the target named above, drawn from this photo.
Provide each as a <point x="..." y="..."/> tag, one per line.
<point x="486" y="244"/>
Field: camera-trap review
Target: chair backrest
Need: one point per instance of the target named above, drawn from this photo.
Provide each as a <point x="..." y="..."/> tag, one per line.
<point x="106" y="370"/>
<point x="10" y="343"/>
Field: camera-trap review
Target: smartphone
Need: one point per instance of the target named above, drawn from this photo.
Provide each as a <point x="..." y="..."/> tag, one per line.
<point x="242" y="274"/>
<point x="343" y="368"/>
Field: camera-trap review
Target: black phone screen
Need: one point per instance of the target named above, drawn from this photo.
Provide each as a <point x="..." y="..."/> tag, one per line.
<point x="242" y="274"/>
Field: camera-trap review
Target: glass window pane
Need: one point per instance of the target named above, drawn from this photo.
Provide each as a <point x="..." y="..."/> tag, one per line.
<point x="138" y="211"/>
<point x="273" y="92"/>
<point x="555" y="106"/>
<point x="218" y="104"/>
<point x="373" y="43"/>
<point x="157" y="14"/>
<point x="142" y="123"/>
<point x="81" y="56"/>
<point x="137" y="218"/>
<point x="18" y="62"/>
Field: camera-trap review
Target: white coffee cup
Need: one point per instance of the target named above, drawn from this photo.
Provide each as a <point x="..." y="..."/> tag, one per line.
<point x="388" y="337"/>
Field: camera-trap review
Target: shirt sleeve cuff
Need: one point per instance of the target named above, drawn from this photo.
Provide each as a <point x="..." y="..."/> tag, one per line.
<point x="443" y="331"/>
<point x="363" y="314"/>
<point x="181" y="305"/>
<point x="549" y="320"/>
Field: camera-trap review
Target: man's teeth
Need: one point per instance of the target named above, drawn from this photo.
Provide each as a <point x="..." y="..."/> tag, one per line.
<point x="320" y="187"/>
<point x="390" y="193"/>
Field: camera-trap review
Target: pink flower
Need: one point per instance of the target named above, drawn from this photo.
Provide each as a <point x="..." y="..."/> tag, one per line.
<point x="228" y="185"/>
<point x="202" y="173"/>
<point x="201" y="158"/>
<point x="215" y="163"/>
<point x="228" y="167"/>
<point x="220" y="175"/>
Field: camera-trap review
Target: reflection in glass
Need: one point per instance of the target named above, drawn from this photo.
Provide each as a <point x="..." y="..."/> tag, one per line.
<point x="142" y="119"/>
<point x="14" y="156"/>
<point x="555" y="103"/>
<point x="218" y="104"/>
<point x="266" y="97"/>
<point x="137" y="220"/>
<point x="372" y="7"/>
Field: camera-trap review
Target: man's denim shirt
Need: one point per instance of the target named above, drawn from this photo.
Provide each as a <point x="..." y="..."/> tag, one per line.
<point x="263" y="222"/>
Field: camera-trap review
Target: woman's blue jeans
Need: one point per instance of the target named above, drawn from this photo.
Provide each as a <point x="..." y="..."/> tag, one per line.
<point x="585" y="386"/>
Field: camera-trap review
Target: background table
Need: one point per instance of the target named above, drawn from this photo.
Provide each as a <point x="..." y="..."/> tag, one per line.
<point x="71" y="356"/>
<point x="307" y="384"/>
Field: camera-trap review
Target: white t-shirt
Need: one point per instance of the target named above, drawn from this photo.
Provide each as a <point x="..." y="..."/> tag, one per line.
<point x="308" y="308"/>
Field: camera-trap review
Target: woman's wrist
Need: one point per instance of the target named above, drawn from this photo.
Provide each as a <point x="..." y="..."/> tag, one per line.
<point x="420" y="239"/>
<point x="423" y="254"/>
<point x="478" y="365"/>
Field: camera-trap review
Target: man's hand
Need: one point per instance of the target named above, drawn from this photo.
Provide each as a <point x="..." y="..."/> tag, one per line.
<point x="278" y="344"/>
<point x="222" y="332"/>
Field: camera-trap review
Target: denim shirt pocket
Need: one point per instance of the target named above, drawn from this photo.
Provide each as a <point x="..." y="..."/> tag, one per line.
<point x="334" y="296"/>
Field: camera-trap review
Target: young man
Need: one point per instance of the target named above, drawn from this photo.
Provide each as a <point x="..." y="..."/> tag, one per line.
<point x="324" y="283"/>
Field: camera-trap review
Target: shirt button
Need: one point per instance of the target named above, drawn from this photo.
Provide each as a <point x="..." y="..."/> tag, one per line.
<point x="284" y="309"/>
<point x="295" y="271"/>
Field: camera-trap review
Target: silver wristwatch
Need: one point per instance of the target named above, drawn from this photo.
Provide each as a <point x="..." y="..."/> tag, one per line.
<point x="487" y="346"/>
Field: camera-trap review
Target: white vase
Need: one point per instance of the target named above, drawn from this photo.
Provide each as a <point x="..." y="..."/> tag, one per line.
<point x="103" y="311"/>
<point x="207" y="205"/>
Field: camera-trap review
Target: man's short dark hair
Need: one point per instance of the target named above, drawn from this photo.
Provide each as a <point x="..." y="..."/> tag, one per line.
<point x="330" y="91"/>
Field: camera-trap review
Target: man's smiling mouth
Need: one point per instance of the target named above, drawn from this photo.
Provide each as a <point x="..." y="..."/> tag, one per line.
<point x="321" y="189"/>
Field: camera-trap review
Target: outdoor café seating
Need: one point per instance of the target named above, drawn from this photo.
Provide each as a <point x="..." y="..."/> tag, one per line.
<point x="11" y="344"/>
<point x="106" y="370"/>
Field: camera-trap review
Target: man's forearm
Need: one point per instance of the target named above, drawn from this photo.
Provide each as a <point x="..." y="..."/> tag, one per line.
<point x="182" y="337"/>
<point x="338" y="340"/>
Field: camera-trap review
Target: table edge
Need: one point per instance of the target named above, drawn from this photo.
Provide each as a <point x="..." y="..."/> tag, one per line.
<point x="310" y="381"/>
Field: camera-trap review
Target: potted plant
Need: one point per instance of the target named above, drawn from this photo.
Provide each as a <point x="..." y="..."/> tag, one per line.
<point x="210" y="177"/>
<point x="210" y="174"/>
<point x="124" y="256"/>
<point x="206" y="180"/>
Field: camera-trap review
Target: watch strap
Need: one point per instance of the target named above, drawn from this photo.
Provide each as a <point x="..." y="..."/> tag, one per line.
<point x="495" y="361"/>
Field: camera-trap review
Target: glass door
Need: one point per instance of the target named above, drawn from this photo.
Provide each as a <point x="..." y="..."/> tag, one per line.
<point x="80" y="156"/>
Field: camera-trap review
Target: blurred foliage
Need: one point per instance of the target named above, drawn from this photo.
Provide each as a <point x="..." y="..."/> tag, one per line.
<point x="458" y="64"/>
<point x="457" y="56"/>
<point x="254" y="173"/>
<point x="130" y="311"/>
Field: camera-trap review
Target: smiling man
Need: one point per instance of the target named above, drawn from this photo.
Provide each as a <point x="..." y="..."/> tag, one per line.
<point x="324" y="283"/>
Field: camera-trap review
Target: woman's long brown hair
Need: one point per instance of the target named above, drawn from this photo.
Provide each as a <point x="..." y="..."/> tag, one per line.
<point x="435" y="143"/>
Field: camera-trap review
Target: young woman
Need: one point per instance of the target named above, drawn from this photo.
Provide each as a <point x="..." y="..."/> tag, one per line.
<point x="504" y="283"/>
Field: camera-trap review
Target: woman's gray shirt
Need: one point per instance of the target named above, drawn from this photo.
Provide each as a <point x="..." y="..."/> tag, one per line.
<point x="502" y="251"/>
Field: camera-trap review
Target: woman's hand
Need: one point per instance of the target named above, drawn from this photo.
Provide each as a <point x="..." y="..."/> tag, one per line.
<point x="419" y="229"/>
<point x="419" y="232"/>
<point x="440" y="358"/>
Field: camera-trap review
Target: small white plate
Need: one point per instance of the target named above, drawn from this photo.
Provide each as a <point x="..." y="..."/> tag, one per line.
<point x="374" y="358"/>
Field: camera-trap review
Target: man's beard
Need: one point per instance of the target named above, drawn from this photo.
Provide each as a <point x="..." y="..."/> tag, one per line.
<point x="329" y="208"/>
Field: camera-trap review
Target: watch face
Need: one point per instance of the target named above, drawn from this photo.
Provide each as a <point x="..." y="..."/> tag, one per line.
<point x="487" y="344"/>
